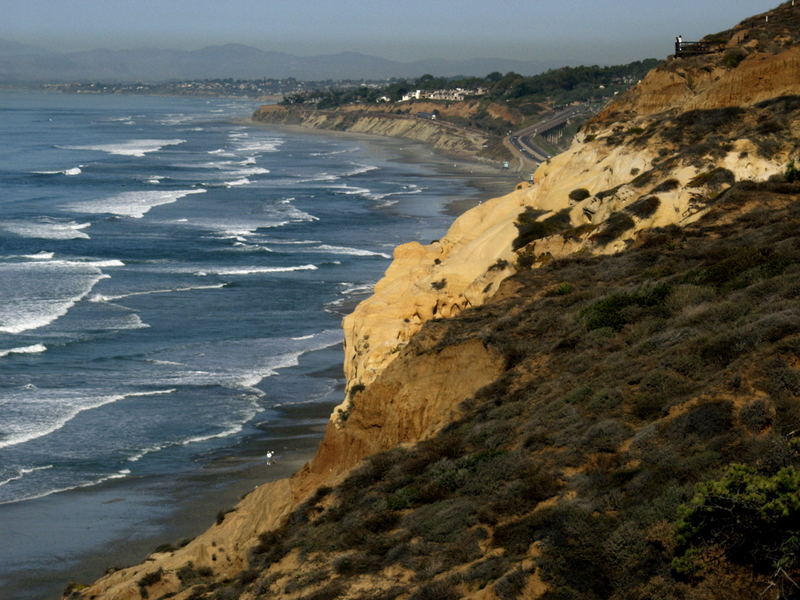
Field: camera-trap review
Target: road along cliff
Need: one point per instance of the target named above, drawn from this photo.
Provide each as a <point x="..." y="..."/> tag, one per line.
<point x="531" y="398"/>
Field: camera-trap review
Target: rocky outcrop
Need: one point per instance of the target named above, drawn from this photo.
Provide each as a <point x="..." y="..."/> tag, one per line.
<point x="660" y="156"/>
<point x="409" y="401"/>
<point x="439" y="135"/>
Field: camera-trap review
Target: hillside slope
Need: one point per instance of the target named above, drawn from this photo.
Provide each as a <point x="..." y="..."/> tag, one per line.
<point x="541" y="389"/>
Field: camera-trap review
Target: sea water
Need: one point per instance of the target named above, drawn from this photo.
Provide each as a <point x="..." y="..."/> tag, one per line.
<point x="164" y="269"/>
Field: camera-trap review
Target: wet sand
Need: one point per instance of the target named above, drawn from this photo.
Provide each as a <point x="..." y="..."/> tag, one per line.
<point x="127" y="519"/>
<point x="487" y="179"/>
<point x="120" y="522"/>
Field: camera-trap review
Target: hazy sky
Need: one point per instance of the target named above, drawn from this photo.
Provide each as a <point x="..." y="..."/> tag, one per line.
<point x="589" y="31"/>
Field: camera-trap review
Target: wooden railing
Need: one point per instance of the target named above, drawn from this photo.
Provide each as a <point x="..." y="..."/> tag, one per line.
<point x="695" y="48"/>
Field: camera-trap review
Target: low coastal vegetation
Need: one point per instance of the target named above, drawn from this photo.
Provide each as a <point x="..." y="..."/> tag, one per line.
<point x="558" y="86"/>
<point x="643" y="441"/>
<point x="642" y="437"/>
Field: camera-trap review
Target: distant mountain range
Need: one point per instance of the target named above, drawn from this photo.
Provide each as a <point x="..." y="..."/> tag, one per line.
<point x="24" y="63"/>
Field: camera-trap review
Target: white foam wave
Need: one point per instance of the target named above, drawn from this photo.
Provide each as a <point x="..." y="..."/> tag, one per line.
<point x="350" y="289"/>
<point x="131" y="204"/>
<point x="25" y="307"/>
<point x="47" y="229"/>
<point x="319" y="178"/>
<point x="38" y="256"/>
<point x="22" y="472"/>
<point x="231" y="430"/>
<point x="256" y="270"/>
<point x="293" y="242"/>
<point x="346" y="250"/>
<point x="102" y="298"/>
<point x="251" y="171"/>
<point x="360" y="170"/>
<point x="131" y="321"/>
<point x="100" y="264"/>
<point x="43" y="413"/>
<point x="73" y="171"/>
<point x="131" y="147"/>
<point x="407" y="190"/>
<point x="118" y="475"/>
<point x="238" y="182"/>
<point x="349" y="190"/>
<point x="33" y="349"/>
<point x="176" y="119"/>
<point x="268" y="145"/>
<point x="335" y="152"/>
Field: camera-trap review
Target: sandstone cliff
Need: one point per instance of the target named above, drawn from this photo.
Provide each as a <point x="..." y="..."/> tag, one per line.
<point x="465" y="312"/>
<point x="439" y="135"/>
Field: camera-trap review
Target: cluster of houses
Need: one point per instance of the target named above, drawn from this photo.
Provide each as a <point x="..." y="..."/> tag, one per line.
<point x="453" y="95"/>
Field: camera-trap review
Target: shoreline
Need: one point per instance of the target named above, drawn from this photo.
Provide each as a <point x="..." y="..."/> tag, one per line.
<point x="129" y="518"/>
<point x="134" y="516"/>
<point x="486" y="178"/>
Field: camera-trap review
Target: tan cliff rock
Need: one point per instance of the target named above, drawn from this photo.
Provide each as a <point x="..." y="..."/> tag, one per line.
<point x="439" y="135"/>
<point x="645" y="162"/>
<point x="684" y="87"/>
<point x="411" y="400"/>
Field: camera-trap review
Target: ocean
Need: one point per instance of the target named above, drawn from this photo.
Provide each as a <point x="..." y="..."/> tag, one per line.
<point x="171" y="283"/>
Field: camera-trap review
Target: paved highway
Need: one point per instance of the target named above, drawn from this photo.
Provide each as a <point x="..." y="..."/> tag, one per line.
<point x="523" y="144"/>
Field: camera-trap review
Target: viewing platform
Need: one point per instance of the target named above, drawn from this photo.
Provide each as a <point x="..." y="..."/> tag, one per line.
<point x="696" y="48"/>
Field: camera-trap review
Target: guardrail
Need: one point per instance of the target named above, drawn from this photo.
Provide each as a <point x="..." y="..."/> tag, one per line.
<point x="695" y="48"/>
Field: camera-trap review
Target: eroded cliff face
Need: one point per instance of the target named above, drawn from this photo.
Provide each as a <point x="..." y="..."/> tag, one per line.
<point x="441" y="136"/>
<point x="644" y="163"/>
<point x="660" y="156"/>
<point x="411" y="400"/>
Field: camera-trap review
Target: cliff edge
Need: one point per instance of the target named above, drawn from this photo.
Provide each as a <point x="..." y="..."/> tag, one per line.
<point x="557" y="368"/>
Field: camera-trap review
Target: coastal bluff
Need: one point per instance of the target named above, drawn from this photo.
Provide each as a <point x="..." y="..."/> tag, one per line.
<point x="441" y="136"/>
<point x="553" y="368"/>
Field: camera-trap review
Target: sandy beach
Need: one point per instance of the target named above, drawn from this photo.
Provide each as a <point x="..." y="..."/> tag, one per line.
<point x="488" y="180"/>
<point x="118" y="523"/>
<point x="121" y="521"/>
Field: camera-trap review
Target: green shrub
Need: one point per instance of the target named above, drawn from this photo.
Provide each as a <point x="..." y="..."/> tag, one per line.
<point x="510" y="586"/>
<point x="562" y="289"/>
<point x="499" y="265"/>
<point x="147" y="580"/>
<point x="389" y="594"/>
<point x="609" y="312"/>
<point x="665" y="186"/>
<point x="435" y="590"/>
<point x="579" y="194"/>
<point x="792" y="172"/>
<point x="487" y="570"/>
<point x="733" y="57"/>
<point x="644" y="207"/>
<point x="530" y="229"/>
<point x="617" y="224"/>
<point x="756" y="415"/>
<point x="332" y="591"/>
<point x="753" y="518"/>
<point x="713" y="178"/>
<point x="355" y="563"/>
<point x="605" y="436"/>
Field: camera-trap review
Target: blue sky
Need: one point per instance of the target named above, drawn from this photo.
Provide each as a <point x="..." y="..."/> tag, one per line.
<point x="587" y="31"/>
